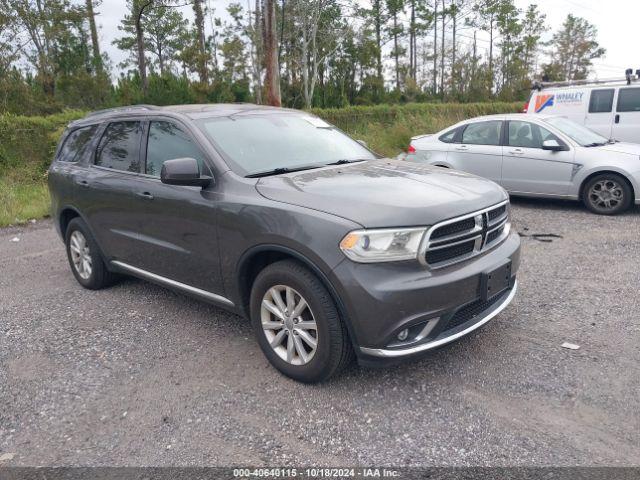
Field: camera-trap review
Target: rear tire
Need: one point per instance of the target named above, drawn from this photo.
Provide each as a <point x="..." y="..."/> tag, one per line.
<point x="607" y="194"/>
<point x="297" y="323"/>
<point x="85" y="259"/>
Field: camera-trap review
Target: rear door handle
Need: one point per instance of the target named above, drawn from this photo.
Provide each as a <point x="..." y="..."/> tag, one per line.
<point x="462" y="148"/>
<point x="83" y="183"/>
<point x="517" y="151"/>
<point x="145" y="195"/>
<point x="617" y="118"/>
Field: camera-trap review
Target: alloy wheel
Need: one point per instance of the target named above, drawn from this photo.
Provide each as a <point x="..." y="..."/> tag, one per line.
<point x="606" y="194"/>
<point x="289" y="325"/>
<point x="80" y="254"/>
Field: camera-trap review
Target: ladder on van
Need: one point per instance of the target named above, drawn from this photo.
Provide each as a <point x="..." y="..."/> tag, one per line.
<point x="629" y="78"/>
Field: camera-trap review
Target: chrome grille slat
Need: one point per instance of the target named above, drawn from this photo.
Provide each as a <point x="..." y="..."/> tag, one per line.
<point x="490" y="227"/>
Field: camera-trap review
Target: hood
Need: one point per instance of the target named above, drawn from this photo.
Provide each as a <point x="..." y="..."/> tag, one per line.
<point x="620" y="147"/>
<point x="384" y="193"/>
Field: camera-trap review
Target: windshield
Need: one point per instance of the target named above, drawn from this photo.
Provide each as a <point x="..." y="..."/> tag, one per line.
<point x="252" y="144"/>
<point x="579" y="134"/>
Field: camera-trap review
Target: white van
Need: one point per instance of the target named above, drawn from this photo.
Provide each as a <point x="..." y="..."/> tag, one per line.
<point x="610" y="108"/>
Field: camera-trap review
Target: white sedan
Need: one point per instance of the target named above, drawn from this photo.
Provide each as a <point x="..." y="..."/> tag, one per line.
<point x="539" y="156"/>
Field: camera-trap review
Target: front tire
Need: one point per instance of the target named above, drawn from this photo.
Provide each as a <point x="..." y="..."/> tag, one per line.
<point x="607" y="194"/>
<point x="85" y="258"/>
<point x="297" y="323"/>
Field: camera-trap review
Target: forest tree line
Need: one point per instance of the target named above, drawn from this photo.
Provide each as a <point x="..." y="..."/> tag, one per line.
<point x="298" y="53"/>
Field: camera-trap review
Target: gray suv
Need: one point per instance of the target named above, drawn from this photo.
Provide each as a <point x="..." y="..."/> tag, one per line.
<point x="276" y="215"/>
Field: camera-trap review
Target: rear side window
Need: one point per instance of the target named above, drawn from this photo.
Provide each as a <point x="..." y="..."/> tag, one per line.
<point x="449" y="137"/>
<point x="601" y="101"/>
<point x="166" y="142"/>
<point x="482" y="133"/>
<point x="119" y="147"/>
<point x="629" y="100"/>
<point x="75" y="143"/>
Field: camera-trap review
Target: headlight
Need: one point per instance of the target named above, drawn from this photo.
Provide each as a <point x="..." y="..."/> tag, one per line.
<point x="384" y="245"/>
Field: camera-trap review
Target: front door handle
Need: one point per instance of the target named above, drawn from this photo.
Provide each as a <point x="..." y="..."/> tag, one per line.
<point x="83" y="183"/>
<point x="145" y="195"/>
<point x="617" y="118"/>
<point x="517" y="151"/>
<point x="462" y="148"/>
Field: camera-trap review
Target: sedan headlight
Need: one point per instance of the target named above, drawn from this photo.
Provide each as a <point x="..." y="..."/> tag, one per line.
<point x="383" y="245"/>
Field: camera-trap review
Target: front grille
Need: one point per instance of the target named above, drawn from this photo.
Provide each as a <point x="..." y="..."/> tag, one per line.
<point x="493" y="235"/>
<point x="493" y="214"/>
<point x="447" y="253"/>
<point x="460" y="238"/>
<point x="453" y="228"/>
<point x="472" y="310"/>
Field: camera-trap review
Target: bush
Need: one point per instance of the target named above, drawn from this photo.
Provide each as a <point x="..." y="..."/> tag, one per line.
<point x="387" y="129"/>
<point x="27" y="144"/>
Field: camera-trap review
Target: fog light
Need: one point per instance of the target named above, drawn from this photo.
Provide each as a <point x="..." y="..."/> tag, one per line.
<point x="402" y="336"/>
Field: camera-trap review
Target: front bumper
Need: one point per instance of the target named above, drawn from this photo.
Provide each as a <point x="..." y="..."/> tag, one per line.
<point x="383" y="299"/>
<point x="447" y="336"/>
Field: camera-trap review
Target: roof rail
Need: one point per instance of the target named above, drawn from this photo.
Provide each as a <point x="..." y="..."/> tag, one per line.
<point x="574" y="83"/>
<point x="128" y="108"/>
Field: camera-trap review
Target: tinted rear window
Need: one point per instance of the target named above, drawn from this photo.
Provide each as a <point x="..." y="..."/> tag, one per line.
<point x="629" y="100"/>
<point x="601" y="101"/>
<point x="119" y="147"/>
<point x="75" y="143"/>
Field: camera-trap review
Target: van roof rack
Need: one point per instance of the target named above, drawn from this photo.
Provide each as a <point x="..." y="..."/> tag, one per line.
<point x="628" y="79"/>
<point x="127" y="109"/>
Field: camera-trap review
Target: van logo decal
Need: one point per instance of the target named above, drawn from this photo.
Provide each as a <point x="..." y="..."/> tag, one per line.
<point x="543" y="101"/>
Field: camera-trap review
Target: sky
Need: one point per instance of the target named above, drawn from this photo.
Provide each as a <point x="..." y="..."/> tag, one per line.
<point x="616" y="21"/>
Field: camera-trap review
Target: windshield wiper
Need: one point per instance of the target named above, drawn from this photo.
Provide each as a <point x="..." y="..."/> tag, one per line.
<point x="280" y="171"/>
<point x="595" y="144"/>
<point x="343" y="161"/>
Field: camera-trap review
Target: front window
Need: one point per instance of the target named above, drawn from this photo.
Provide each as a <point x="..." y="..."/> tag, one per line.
<point x="257" y="143"/>
<point x="579" y="134"/>
<point x="528" y="135"/>
<point x="167" y="142"/>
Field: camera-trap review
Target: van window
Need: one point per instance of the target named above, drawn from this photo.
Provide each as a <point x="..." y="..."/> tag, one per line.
<point x="601" y="101"/>
<point x="119" y="147"/>
<point x="75" y="143"/>
<point x="629" y="100"/>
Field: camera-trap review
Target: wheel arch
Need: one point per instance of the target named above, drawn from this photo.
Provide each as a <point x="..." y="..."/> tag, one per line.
<point x="64" y="218"/>
<point x="259" y="257"/>
<point x="620" y="173"/>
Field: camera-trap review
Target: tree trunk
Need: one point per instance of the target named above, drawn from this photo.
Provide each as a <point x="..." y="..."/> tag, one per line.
<point x="202" y="48"/>
<point x="272" y="75"/>
<point x="97" y="57"/>
<point x="454" y="21"/>
<point x="412" y="40"/>
<point x="378" y="25"/>
<point x="444" y="17"/>
<point x="435" y="47"/>
<point x="142" y="63"/>
<point x="257" y="56"/>
<point x="395" y="49"/>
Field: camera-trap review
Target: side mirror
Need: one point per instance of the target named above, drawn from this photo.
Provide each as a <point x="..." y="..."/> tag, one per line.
<point x="553" y="146"/>
<point x="183" y="171"/>
<point x="363" y="143"/>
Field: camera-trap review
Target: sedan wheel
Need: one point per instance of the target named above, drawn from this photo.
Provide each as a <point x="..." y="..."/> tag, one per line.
<point x="607" y="194"/>
<point x="289" y="325"/>
<point x="80" y="254"/>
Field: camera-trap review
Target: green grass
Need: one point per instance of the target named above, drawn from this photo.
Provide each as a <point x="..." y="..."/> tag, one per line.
<point x="21" y="202"/>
